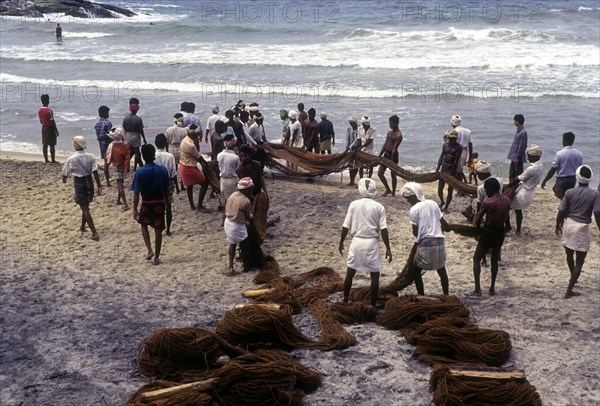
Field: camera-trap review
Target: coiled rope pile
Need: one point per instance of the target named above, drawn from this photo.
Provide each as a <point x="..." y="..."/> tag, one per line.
<point x="241" y="361"/>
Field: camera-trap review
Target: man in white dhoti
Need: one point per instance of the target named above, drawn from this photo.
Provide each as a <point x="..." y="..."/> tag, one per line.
<point x="238" y="213"/>
<point x="427" y="223"/>
<point x="527" y="182"/>
<point x="573" y="220"/>
<point x="365" y="220"/>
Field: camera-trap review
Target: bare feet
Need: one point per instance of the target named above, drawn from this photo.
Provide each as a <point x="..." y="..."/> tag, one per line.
<point x="156" y="261"/>
<point x="350" y="184"/>
<point x="82" y="229"/>
<point x="202" y="209"/>
<point x="570" y="294"/>
<point x="193" y="207"/>
<point x="518" y="232"/>
<point x="169" y="233"/>
<point x="119" y="203"/>
<point x="477" y="292"/>
<point x="386" y="193"/>
<point x="492" y="292"/>
<point x="125" y="207"/>
<point x="149" y="256"/>
<point x="95" y="237"/>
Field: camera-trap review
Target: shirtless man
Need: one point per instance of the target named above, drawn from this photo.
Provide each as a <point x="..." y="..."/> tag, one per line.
<point x="448" y="163"/>
<point x="311" y="133"/>
<point x="389" y="150"/>
<point x="495" y="208"/>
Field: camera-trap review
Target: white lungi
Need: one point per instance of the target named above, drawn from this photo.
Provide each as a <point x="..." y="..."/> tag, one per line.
<point x="235" y="232"/>
<point x="364" y="255"/>
<point x="575" y="235"/>
<point x="523" y="198"/>
<point x="228" y="186"/>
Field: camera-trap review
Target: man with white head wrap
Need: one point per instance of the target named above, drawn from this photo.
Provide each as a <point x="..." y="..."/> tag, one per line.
<point x="353" y="143"/>
<point x="365" y="220"/>
<point x="465" y="141"/>
<point x="238" y="213"/>
<point x="228" y="162"/>
<point x="427" y="223"/>
<point x="573" y="220"/>
<point x="295" y="139"/>
<point x="483" y="170"/>
<point x="82" y="166"/>
<point x="527" y="182"/>
<point x="118" y="154"/>
<point x="175" y="134"/>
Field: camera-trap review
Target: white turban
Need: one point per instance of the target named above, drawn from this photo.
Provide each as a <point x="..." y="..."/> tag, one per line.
<point x="534" y="150"/>
<point x="483" y="167"/>
<point x="293" y="114"/>
<point x="413" y="189"/>
<point x="581" y="178"/>
<point x="352" y="119"/>
<point x="456" y="120"/>
<point x="367" y="188"/>
<point x="253" y="109"/>
<point x="366" y="120"/>
<point x="117" y="133"/>
<point x="323" y="114"/>
<point x="79" y="143"/>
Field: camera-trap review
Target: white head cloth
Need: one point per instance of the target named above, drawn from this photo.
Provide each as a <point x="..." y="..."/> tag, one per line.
<point x="456" y="120"/>
<point x="352" y="119"/>
<point x="534" y="150"/>
<point x="367" y="188"/>
<point x="117" y="133"/>
<point x="366" y="120"/>
<point x="79" y="143"/>
<point x="483" y="167"/>
<point x="293" y="114"/>
<point x="581" y="178"/>
<point x="413" y="189"/>
<point x="323" y="114"/>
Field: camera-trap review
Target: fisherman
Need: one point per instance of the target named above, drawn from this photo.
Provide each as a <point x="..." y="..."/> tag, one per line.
<point x="565" y="163"/>
<point x="238" y="215"/>
<point x="389" y="150"/>
<point x="495" y="208"/>
<point x="573" y="220"/>
<point x="82" y="165"/>
<point x="365" y="220"/>
<point x="427" y="223"/>
<point x="448" y="163"/>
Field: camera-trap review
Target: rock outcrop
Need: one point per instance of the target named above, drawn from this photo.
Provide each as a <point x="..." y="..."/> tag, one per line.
<point x="73" y="8"/>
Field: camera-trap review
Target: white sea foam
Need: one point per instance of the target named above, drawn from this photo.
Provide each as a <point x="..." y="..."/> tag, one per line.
<point x="325" y="91"/>
<point x="71" y="34"/>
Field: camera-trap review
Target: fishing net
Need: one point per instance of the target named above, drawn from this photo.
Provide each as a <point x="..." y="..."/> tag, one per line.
<point x="402" y="311"/>
<point x="451" y="390"/>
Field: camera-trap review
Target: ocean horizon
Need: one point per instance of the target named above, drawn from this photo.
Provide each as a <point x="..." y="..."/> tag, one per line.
<point x="424" y="61"/>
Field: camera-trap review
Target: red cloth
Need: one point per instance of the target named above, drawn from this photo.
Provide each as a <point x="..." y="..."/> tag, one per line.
<point x="46" y="115"/>
<point x="191" y="175"/>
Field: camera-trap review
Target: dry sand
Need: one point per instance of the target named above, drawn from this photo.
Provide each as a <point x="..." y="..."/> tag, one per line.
<point x="74" y="311"/>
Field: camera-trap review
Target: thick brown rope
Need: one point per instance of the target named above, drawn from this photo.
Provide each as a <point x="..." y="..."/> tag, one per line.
<point x="333" y="335"/>
<point x="172" y="353"/>
<point x="460" y="390"/>
<point x="402" y="311"/>
<point x="450" y="345"/>
<point x="255" y="327"/>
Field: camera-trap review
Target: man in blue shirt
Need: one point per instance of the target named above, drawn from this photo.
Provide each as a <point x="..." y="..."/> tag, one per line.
<point x="565" y="163"/>
<point x="152" y="182"/>
<point x="517" y="150"/>
<point x="326" y="134"/>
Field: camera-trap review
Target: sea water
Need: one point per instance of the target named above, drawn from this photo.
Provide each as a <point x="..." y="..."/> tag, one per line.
<point x="424" y="61"/>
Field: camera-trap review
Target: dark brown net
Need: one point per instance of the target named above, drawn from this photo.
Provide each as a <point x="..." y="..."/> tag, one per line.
<point x="172" y="353"/>
<point x="449" y="390"/>
<point x="402" y="311"/>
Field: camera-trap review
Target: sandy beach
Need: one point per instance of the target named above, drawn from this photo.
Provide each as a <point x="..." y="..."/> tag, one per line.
<point x="74" y="311"/>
